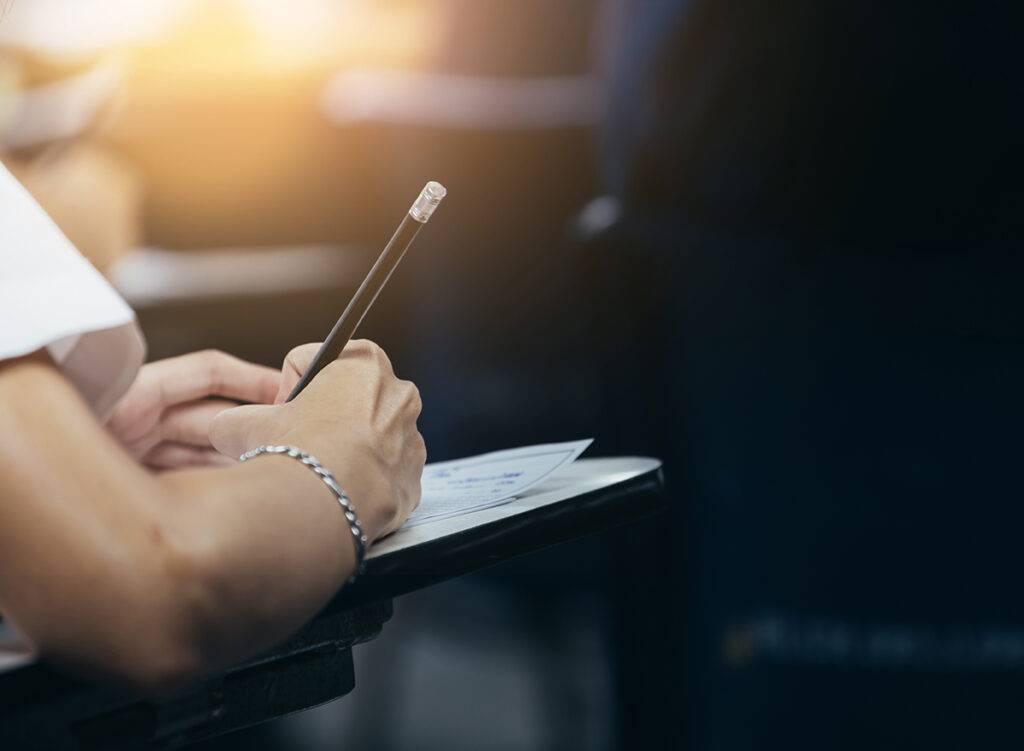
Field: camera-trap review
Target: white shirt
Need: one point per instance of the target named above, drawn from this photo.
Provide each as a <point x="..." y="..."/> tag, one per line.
<point x="51" y="296"/>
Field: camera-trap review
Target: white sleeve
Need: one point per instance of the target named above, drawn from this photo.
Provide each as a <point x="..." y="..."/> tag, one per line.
<point x="51" y="296"/>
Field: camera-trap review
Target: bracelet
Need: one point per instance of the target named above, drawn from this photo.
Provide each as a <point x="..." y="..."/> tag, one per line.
<point x="324" y="474"/>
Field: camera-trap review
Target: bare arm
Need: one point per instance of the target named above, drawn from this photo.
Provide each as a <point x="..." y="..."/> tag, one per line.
<point x="152" y="579"/>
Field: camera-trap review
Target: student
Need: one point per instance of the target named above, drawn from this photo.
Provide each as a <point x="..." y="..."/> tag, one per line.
<point x="111" y="569"/>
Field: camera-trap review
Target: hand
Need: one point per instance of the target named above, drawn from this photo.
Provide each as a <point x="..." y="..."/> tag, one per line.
<point x="164" y="418"/>
<point x="356" y="417"/>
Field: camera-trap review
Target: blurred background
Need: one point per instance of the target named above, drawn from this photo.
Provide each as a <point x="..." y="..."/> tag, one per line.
<point x="775" y="246"/>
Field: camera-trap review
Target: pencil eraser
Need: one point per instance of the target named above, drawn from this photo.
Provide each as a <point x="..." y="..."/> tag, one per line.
<point x="429" y="198"/>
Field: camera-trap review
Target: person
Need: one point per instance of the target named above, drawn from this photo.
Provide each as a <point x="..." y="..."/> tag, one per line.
<point x="133" y="544"/>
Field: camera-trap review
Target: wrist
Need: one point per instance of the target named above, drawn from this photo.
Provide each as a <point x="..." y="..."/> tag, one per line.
<point x="358" y="471"/>
<point x="326" y="477"/>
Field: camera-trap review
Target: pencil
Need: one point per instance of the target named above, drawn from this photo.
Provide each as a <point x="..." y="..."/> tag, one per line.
<point x="418" y="215"/>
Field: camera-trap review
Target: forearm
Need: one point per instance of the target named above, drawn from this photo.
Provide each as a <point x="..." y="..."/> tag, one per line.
<point x="81" y="532"/>
<point x="268" y="544"/>
<point x="150" y="579"/>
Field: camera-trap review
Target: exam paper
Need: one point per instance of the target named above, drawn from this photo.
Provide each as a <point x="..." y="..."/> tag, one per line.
<point x="463" y="485"/>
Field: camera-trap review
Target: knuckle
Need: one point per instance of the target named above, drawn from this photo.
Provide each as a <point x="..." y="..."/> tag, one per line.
<point x="360" y="347"/>
<point x="374" y="351"/>
<point x="213" y="361"/>
<point x="413" y="397"/>
<point x="213" y="357"/>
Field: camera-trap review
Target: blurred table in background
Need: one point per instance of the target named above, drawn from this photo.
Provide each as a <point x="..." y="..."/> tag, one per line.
<point x="256" y="303"/>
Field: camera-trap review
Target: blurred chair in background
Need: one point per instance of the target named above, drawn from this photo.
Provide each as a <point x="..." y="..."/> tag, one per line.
<point x="820" y="238"/>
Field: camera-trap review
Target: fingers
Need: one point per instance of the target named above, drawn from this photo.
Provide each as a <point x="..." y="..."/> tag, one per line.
<point x="364" y="348"/>
<point x="235" y="431"/>
<point x="189" y="423"/>
<point x="179" y="456"/>
<point x="356" y="417"/>
<point x="411" y="397"/>
<point x="295" y="364"/>
<point x="212" y="373"/>
<point x="419" y="449"/>
<point x="416" y="463"/>
<point x="299" y="359"/>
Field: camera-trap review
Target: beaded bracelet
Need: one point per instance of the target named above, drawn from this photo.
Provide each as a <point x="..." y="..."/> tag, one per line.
<point x="324" y="474"/>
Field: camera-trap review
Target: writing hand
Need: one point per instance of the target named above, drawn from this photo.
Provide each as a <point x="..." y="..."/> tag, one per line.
<point x="356" y="417"/>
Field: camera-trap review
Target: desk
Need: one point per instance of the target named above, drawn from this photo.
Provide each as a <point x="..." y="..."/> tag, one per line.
<point x="41" y="708"/>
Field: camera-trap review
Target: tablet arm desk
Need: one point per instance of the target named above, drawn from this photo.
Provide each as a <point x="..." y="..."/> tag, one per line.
<point x="42" y="708"/>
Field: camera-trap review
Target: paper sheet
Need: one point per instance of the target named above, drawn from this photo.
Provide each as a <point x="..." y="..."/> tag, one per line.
<point x="463" y="485"/>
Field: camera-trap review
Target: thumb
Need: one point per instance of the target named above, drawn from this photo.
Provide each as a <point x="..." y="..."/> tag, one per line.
<point x="295" y="365"/>
<point x="235" y="431"/>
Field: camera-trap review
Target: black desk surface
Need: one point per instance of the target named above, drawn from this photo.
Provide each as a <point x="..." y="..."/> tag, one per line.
<point x="42" y="708"/>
